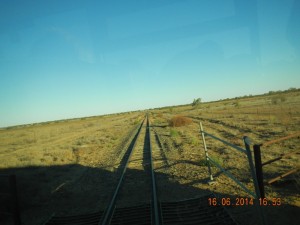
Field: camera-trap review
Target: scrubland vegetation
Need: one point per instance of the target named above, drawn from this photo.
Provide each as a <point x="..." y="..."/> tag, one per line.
<point x="262" y="118"/>
<point x="69" y="167"/>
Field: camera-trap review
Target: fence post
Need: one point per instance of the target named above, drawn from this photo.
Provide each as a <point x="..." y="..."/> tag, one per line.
<point x="247" y="142"/>
<point x="206" y="153"/>
<point x="14" y="200"/>
<point x="258" y="169"/>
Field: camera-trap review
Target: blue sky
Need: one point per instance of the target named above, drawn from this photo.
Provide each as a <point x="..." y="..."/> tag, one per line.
<point x="66" y="59"/>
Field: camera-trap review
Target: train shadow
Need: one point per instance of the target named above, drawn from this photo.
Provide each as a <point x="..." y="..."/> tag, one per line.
<point x="76" y="189"/>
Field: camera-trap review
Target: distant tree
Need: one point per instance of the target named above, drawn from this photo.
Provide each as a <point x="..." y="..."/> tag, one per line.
<point x="292" y="89"/>
<point x="196" y="102"/>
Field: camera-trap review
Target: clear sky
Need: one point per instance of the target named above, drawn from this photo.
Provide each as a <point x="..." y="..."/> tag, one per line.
<point x="64" y="59"/>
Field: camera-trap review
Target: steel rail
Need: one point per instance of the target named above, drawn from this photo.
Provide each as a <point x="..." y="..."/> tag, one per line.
<point x="106" y="218"/>
<point x="187" y="211"/>
<point x="155" y="207"/>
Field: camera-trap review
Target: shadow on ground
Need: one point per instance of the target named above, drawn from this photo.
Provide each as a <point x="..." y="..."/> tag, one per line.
<point x="75" y="189"/>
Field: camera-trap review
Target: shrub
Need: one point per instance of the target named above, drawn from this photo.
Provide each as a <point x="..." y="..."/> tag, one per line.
<point x="237" y="104"/>
<point x="178" y="121"/>
<point x="173" y="133"/>
<point x="79" y="142"/>
<point x="136" y="122"/>
<point x="275" y="100"/>
<point x="218" y="160"/>
<point x="203" y="162"/>
<point x="160" y="115"/>
<point x="282" y="98"/>
<point x="193" y="141"/>
<point x="29" y="141"/>
<point x="278" y="99"/>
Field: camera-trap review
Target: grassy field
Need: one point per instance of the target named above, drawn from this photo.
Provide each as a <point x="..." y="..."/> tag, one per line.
<point x="262" y="118"/>
<point x="57" y="163"/>
<point x="69" y="167"/>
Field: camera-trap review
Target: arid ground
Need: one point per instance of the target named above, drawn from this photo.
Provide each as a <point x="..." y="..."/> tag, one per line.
<point x="70" y="167"/>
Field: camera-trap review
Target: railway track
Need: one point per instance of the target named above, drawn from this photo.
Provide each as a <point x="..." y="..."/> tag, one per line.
<point x="135" y="199"/>
<point x="135" y="186"/>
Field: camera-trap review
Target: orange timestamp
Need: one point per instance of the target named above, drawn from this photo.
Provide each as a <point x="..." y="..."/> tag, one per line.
<point x="240" y="201"/>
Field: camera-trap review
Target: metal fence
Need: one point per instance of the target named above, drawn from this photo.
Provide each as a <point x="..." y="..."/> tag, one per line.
<point x="259" y="165"/>
<point x="13" y="198"/>
<point x="246" y="151"/>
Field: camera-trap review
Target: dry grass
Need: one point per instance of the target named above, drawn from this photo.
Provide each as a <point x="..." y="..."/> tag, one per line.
<point x="69" y="166"/>
<point x="51" y="161"/>
<point x="257" y="117"/>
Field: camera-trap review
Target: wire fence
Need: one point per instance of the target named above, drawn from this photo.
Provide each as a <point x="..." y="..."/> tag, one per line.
<point x="259" y="164"/>
<point x="247" y="151"/>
